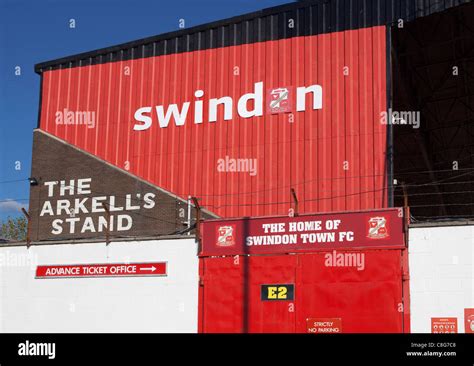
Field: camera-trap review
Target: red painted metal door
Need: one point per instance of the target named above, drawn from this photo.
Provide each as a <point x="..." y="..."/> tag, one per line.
<point x="230" y="282"/>
<point x="362" y="288"/>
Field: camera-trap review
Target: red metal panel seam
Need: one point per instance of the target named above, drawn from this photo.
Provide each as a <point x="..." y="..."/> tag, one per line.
<point x="143" y="160"/>
<point x="145" y="138"/>
<point x="211" y="173"/>
<point x="283" y="152"/>
<point x="99" y="117"/>
<point x="272" y="129"/>
<point x="149" y="152"/>
<point x="116" y="140"/>
<point x="353" y="102"/>
<point x="93" y="106"/>
<point x="78" y="100"/>
<point x="246" y="87"/>
<point x="196" y="151"/>
<point x="60" y="95"/>
<point x="301" y="160"/>
<point x="229" y="137"/>
<point x="338" y="141"/>
<point x="234" y="138"/>
<point x="325" y="125"/>
<point x="367" y="92"/>
<point x="345" y="117"/>
<point x="254" y="137"/>
<point x="76" y="96"/>
<point x="357" y="130"/>
<point x="314" y="44"/>
<point x="260" y="72"/>
<point x="173" y="130"/>
<point x="188" y="95"/>
<point x="110" y="111"/>
<point x="381" y="129"/>
<point x="106" y="126"/>
<point x="191" y="164"/>
<point x="164" y="132"/>
<point x="333" y="148"/>
<point x="308" y="121"/>
<point x="112" y="141"/>
<point x="375" y="106"/>
<point x="159" y="131"/>
<point x="240" y="90"/>
<point x="205" y="128"/>
<point x="220" y="146"/>
<point x="183" y="156"/>
<point x="370" y="112"/>
<point x="65" y="129"/>
<point x="102" y="142"/>
<point x="249" y="133"/>
<point x="45" y="108"/>
<point x="295" y="146"/>
<point x="88" y="108"/>
<point x="203" y="56"/>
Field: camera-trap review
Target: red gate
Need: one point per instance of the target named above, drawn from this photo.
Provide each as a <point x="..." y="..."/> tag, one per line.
<point x="350" y="286"/>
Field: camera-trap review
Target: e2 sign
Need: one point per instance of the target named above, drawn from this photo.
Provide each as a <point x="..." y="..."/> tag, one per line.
<point x="281" y="292"/>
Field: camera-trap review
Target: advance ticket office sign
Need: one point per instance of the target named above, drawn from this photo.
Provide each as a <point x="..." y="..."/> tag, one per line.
<point x="102" y="270"/>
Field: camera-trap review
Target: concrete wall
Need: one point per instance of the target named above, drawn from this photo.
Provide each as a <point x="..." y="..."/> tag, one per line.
<point x="441" y="274"/>
<point x="132" y="304"/>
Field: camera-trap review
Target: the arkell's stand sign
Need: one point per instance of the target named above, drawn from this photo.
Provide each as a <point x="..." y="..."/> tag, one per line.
<point x="347" y="230"/>
<point x="73" y="198"/>
<point x="102" y="270"/>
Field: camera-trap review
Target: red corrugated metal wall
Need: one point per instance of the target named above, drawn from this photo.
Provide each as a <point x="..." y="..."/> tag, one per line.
<point x="367" y="301"/>
<point x="309" y="154"/>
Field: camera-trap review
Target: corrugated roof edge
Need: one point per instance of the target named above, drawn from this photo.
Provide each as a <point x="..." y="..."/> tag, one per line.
<point x="370" y="13"/>
<point x="178" y="33"/>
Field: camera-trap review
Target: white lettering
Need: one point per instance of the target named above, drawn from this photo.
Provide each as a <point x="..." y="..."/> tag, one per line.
<point x="146" y="120"/>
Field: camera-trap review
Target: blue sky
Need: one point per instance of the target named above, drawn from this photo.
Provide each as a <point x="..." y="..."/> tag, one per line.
<point x="33" y="31"/>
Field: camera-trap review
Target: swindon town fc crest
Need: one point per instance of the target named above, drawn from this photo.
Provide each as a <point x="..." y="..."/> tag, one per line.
<point x="225" y="236"/>
<point x="470" y="322"/>
<point x="377" y="228"/>
<point x="279" y="100"/>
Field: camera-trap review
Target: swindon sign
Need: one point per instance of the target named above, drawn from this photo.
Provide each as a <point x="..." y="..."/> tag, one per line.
<point x="347" y="230"/>
<point x="249" y="105"/>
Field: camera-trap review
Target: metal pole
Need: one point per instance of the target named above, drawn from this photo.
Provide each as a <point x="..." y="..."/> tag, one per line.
<point x="198" y="221"/>
<point x="189" y="215"/>
<point x="27" y="215"/>
<point x="107" y="231"/>
<point x="295" y="200"/>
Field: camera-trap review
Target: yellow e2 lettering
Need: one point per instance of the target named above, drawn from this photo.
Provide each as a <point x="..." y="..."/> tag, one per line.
<point x="272" y="294"/>
<point x="282" y="292"/>
<point x="277" y="292"/>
